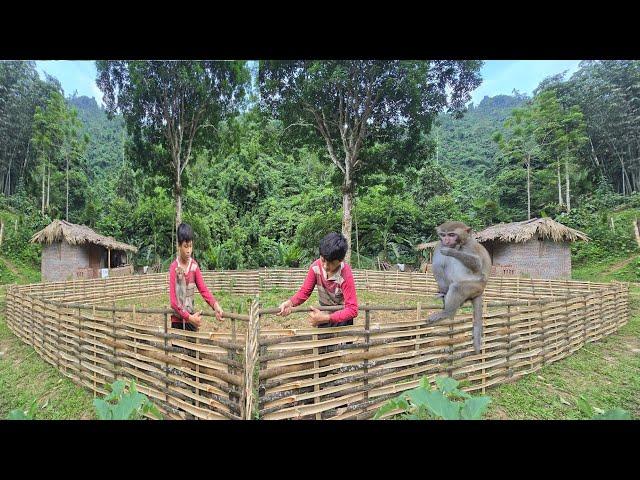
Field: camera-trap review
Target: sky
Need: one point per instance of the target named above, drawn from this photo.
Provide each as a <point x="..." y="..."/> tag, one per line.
<point x="499" y="77"/>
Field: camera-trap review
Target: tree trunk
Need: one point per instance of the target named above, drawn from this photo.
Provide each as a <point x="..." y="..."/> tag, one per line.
<point x="347" y="202"/>
<point x="44" y="174"/>
<point x="559" y="186"/>
<point x="48" y="185"/>
<point x="566" y="173"/>
<point x="67" y="188"/>
<point x="178" y="195"/>
<point x="528" y="189"/>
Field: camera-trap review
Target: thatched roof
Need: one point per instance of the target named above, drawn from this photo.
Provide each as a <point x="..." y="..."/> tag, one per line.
<point x="77" y="234"/>
<point x="541" y="228"/>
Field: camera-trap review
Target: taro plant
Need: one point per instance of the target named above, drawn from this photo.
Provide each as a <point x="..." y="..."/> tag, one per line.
<point x="19" y="414"/>
<point x="124" y="403"/>
<point x="595" y="413"/>
<point x="445" y="402"/>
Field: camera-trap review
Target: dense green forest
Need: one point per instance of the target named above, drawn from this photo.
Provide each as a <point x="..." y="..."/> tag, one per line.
<point x="264" y="161"/>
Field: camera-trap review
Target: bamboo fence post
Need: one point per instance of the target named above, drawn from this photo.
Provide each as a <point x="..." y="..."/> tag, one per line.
<point x="198" y="372"/>
<point x="58" y="340"/>
<point x="251" y="361"/>
<point x="530" y="332"/>
<point x="115" y="339"/>
<point x="543" y="335"/>
<point x="80" y="373"/>
<point x="584" y="322"/>
<point x="166" y="353"/>
<point x="230" y="355"/>
<point x="367" y="328"/>
<point x="418" y="335"/>
<point x="95" y="355"/>
<point x="135" y="338"/>
<point x="316" y="365"/>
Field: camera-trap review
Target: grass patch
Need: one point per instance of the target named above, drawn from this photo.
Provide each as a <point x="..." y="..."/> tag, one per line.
<point x="15" y="270"/>
<point x="25" y="377"/>
<point x="606" y="373"/>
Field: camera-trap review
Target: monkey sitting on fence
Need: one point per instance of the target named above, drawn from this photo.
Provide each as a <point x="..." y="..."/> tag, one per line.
<point x="461" y="266"/>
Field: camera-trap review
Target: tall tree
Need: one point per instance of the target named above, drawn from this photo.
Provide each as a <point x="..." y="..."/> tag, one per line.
<point x="353" y="104"/>
<point x="169" y="103"/>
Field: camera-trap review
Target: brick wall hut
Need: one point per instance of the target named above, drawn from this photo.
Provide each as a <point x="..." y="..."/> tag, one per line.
<point x="71" y="251"/>
<point x="536" y="248"/>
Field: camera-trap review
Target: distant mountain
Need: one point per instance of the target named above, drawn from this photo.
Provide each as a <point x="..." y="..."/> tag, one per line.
<point x="106" y="137"/>
<point x="466" y="143"/>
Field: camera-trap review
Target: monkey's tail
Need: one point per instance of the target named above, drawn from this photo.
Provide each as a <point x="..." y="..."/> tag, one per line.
<point x="477" y="323"/>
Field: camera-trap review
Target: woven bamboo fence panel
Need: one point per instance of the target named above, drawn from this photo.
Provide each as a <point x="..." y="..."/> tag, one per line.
<point x="329" y="373"/>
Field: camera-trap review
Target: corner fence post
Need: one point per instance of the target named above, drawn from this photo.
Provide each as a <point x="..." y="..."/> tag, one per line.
<point x="250" y="361"/>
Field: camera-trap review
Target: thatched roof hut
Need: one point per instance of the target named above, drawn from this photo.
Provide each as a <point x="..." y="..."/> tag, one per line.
<point x="538" y="247"/>
<point x="536" y="228"/>
<point x="73" y="251"/>
<point x="74" y="234"/>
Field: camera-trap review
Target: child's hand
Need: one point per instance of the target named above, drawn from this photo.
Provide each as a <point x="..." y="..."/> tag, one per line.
<point x="285" y="308"/>
<point x="196" y="319"/>
<point x="317" y="317"/>
<point x="218" y="309"/>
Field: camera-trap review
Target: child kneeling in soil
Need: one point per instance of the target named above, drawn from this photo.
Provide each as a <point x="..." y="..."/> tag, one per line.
<point x="184" y="277"/>
<point x="335" y="284"/>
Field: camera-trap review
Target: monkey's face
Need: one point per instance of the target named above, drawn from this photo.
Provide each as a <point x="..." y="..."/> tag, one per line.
<point x="453" y="234"/>
<point x="449" y="239"/>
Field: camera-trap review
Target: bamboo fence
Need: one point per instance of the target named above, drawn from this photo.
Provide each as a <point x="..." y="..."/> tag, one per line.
<point x="304" y="373"/>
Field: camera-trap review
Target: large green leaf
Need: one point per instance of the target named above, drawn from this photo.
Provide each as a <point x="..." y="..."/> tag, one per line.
<point x="103" y="409"/>
<point x="18" y="414"/>
<point x="615" y="414"/>
<point x="418" y="396"/>
<point x="446" y="384"/>
<point x="128" y="406"/>
<point x="393" y="404"/>
<point x="441" y="406"/>
<point x="474" y="408"/>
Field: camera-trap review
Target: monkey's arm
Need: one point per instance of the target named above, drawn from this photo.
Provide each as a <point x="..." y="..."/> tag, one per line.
<point x="469" y="260"/>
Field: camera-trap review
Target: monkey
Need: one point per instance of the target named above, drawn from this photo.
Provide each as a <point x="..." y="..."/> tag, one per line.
<point x="461" y="267"/>
<point x="182" y="291"/>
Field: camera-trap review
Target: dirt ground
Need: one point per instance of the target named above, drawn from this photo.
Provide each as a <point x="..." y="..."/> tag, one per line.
<point x="240" y="304"/>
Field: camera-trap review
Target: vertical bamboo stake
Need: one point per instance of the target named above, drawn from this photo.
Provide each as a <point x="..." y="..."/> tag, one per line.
<point x="251" y="361"/>
<point x="115" y="339"/>
<point x="198" y="372"/>
<point x="166" y="353"/>
<point x="95" y="356"/>
<point x="316" y="365"/>
<point x="135" y="338"/>
<point x="367" y="328"/>
<point x="529" y="336"/>
<point x="418" y="335"/>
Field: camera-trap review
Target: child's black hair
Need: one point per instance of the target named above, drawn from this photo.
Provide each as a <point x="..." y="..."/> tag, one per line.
<point x="333" y="247"/>
<point x="185" y="233"/>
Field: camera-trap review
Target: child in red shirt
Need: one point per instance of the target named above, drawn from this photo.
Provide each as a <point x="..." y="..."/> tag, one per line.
<point x="184" y="277"/>
<point x="335" y="283"/>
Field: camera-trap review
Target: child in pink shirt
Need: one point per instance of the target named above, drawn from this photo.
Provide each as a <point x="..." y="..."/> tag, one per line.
<point x="184" y="278"/>
<point x="335" y="283"/>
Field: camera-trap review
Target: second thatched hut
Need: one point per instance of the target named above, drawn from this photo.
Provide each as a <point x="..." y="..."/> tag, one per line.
<point x="536" y="248"/>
